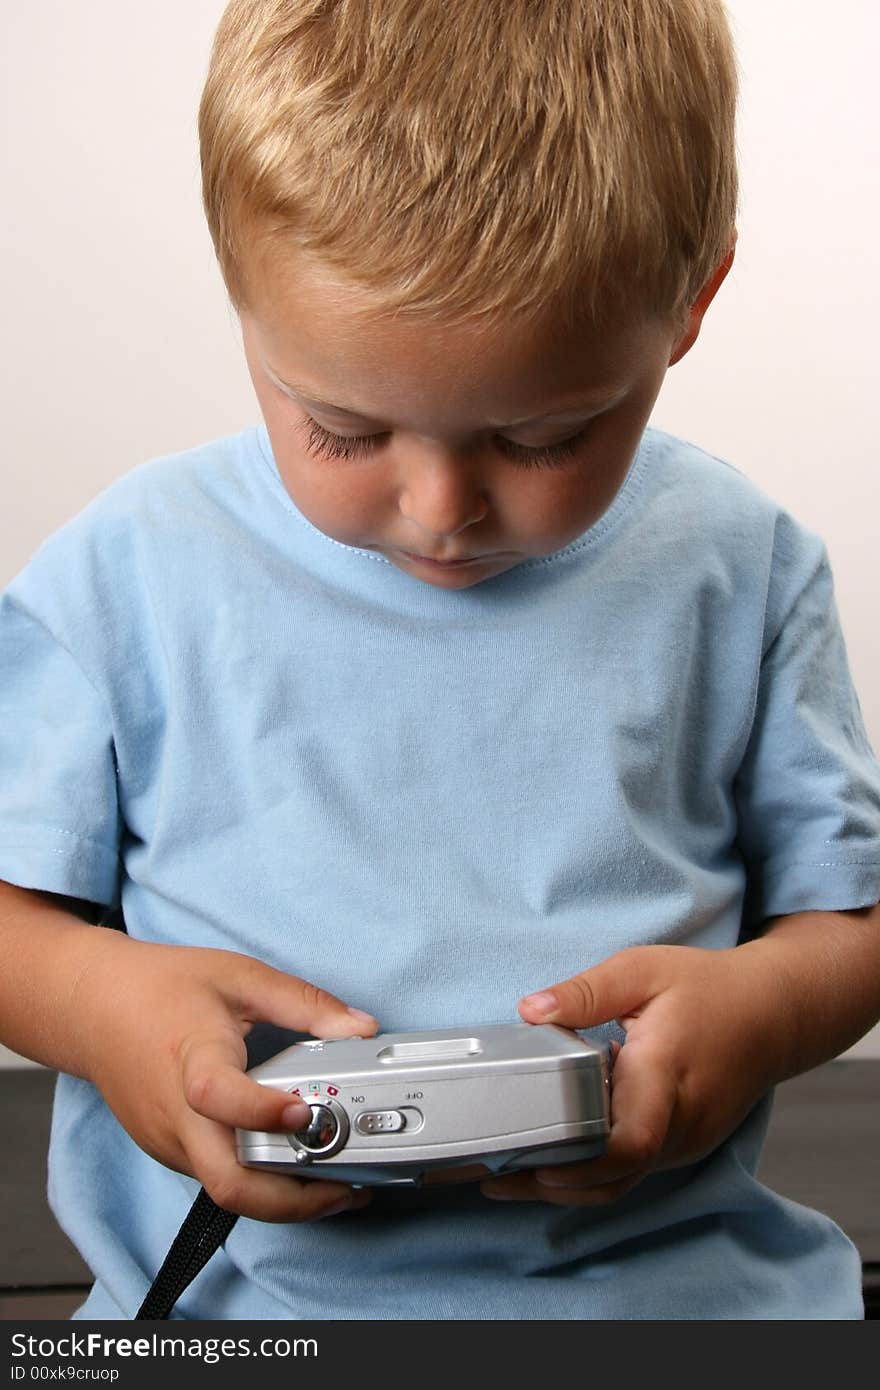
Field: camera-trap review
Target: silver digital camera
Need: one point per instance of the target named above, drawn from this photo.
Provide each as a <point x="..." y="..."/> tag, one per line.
<point x="390" y="1109"/>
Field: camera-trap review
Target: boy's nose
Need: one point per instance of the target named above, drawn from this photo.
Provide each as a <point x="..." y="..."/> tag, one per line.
<point x="441" y="493"/>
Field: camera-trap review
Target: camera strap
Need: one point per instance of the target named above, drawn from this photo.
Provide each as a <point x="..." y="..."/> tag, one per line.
<point x="206" y="1225"/>
<point x="204" y="1230"/>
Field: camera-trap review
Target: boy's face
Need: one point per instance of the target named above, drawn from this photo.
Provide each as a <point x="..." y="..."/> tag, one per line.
<point x="439" y="447"/>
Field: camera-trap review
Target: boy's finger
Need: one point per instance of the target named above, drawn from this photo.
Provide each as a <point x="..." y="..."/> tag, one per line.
<point x="616" y="988"/>
<point x="642" y="1107"/>
<point x="216" y="1086"/>
<point x="262" y="1196"/>
<point x="643" y="1104"/>
<point x="526" y="1188"/>
<point x="267" y="995"/>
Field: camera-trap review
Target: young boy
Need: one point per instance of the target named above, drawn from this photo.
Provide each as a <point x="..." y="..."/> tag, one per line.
<point x="453" y="690"/>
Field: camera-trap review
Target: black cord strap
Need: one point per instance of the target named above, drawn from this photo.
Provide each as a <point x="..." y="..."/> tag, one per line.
<point x="204" y="1231"/>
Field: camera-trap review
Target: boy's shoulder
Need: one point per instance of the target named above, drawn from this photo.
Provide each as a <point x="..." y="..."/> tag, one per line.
<point x="709" y="479"/>
<point x="174" y="487"/>
<point x="709" y="501"/>
<point x="161" y="498"/>
<point x="708" y="523"/>
<point x="107" y="555"/>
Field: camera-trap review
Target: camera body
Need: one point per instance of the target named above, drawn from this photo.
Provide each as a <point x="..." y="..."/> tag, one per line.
<point x="392" y="1108"/>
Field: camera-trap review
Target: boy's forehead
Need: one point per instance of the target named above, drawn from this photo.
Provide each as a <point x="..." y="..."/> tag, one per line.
<point x="560" y="411"/>
<point x="325" y="342"/>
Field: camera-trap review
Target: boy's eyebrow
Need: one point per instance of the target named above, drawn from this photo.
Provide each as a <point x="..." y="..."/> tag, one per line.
<point x="597" y="400"/>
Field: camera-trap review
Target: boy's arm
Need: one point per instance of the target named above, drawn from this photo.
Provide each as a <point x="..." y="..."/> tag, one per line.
<point x="827" y="965"/>
<point x="708" y="1032"/>
<point x="160" y="1030"/>
<point x="46" y="945"/>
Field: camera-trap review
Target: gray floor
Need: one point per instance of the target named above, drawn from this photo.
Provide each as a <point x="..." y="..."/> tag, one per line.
<point x="823" y="1149"/>
<point x="40" y="1307"/>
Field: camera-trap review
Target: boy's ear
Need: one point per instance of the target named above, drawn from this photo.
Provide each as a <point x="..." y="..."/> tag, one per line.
<point x="700" y="305"/>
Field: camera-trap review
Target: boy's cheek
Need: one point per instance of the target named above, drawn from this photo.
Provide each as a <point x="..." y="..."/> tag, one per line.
<point x="344" y="513"/>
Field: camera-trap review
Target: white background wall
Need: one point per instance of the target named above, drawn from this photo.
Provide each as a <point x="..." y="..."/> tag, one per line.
<point x="119" y="345"/>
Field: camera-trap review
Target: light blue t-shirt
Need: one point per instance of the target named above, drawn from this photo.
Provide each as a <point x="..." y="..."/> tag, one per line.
<point x="433" y="802"/>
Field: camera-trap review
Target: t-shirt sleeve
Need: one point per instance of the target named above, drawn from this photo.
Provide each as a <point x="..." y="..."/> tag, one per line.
<point x="59" y="812"/>
<point x="808" y="789"/>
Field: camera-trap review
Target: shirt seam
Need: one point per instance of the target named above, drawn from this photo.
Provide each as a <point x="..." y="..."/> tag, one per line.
<point x="820" y="864"/>
<point x="41" y="827"/>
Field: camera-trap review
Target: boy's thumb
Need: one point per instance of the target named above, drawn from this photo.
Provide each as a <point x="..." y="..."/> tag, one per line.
<point x="615" y="988"/>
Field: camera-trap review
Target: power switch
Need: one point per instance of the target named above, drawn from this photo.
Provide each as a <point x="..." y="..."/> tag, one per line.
<point x="380" y="1122"/>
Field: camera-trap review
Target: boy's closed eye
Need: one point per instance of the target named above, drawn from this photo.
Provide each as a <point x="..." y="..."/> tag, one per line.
<point x="325" y="444"/>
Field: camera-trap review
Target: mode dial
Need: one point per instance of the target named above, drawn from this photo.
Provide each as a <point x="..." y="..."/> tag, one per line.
<point x="326" y="1131"/>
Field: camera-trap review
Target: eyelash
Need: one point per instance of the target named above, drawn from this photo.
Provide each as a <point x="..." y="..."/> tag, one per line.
<point x="325" y="444"/>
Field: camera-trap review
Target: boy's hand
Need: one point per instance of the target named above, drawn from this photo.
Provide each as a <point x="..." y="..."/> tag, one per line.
<point x="705" y="1037"/>
<point x="163" y="1031"/>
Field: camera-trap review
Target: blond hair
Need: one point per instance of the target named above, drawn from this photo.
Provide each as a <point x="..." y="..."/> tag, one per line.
<point x="459" y="158"/>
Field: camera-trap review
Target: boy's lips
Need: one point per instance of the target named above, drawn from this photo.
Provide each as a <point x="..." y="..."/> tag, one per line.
<point x="444" y="564"/>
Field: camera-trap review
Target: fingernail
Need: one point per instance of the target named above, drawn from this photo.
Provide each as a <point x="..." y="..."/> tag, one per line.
<point x="542" y="1003"/>
<point x="337" y="1208"/>
<point x="353" y="1203"/>
<point x="362" y="1017"/>
<point x="554" y="1181"/>
<point x="295" y="1116"/>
